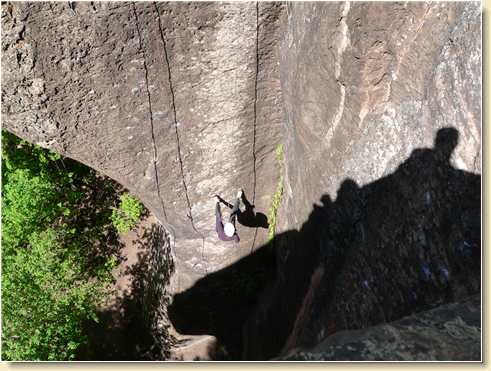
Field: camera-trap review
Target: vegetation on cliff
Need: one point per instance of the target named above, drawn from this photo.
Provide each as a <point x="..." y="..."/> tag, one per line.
<point x="127" y="214"/>
<point x="275" y="203"/>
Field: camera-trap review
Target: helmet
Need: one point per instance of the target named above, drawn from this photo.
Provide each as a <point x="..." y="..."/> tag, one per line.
<point x="229" y="229"/>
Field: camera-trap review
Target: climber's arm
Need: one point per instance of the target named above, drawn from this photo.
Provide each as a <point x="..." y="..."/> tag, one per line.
<point x="224" y="202"/>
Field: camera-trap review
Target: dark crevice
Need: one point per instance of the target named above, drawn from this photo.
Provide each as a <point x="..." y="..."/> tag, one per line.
<point x="174" y="111"/>
<point x="255" y="117"/>
<point x="255" y="100"/>
<point x="156" y="173"/>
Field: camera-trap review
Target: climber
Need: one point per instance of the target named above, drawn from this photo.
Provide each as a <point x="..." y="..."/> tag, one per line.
<point x="227" y="232"/>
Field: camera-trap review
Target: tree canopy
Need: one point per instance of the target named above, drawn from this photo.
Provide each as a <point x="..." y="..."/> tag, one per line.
<point x="57" y="231"/>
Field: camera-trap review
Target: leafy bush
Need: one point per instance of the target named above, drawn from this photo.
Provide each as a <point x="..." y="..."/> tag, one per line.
<point x="28" y="205"/>
<point x="125" y="217"/>
<point x="47" y="296"/>
<point x="55" y="264"/>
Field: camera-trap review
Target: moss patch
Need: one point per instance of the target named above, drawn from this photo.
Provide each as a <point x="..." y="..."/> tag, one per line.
<point x="275" y="203"/>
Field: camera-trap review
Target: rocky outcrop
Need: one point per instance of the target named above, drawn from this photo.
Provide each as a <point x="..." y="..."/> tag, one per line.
<point x="364" y="84"/>
<point x="176" y="101"/>
<point x="451" y="332"/>
<point x="399" y="245"/>
<point x="179" y="101"/>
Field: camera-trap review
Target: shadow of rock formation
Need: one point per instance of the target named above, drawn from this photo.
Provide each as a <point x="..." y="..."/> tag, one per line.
<point x="403" y="244"/>
<point x="220" y="303"/>
<point x="135" y="327"/>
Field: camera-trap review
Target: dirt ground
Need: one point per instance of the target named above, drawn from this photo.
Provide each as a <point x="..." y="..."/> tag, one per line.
<point x="132" y="252"/>
<point x="127" y="326"/>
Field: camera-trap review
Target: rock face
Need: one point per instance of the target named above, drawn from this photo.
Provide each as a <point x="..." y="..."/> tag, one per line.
<point x="180" y="101"/>
<point x="364" y="84"/>
<point x="451" y="332"/>
<point x="399" y="245"/>
<point x="177" y="102"/>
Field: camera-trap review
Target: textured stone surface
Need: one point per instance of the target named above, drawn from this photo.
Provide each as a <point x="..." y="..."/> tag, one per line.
<point x="179" y="101"/>
<point x="451" y="332"/>
<point x="391" y="75"/>
<point x="399" y="245"/>
<point x="366" y="83"/>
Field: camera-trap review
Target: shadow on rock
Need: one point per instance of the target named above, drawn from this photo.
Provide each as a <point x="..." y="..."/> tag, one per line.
<point x="250" y="218"/>
<point x="136" y="326"/>
<point x="402" y="244"/>
<point x="220" y="303"/>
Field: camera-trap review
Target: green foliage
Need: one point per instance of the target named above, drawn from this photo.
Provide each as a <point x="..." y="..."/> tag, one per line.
<point x="55" y="271"/>
<point x="28" y="206"/>
<point x="127" y="214"/>
<point x="46" y="298"/>
<point x="275" y="203"/>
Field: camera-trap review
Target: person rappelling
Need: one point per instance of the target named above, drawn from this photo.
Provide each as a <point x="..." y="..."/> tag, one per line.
<point x="227" y="231"/>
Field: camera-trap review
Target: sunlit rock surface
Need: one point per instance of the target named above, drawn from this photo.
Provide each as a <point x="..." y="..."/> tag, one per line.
<point x="180" y="101"/>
